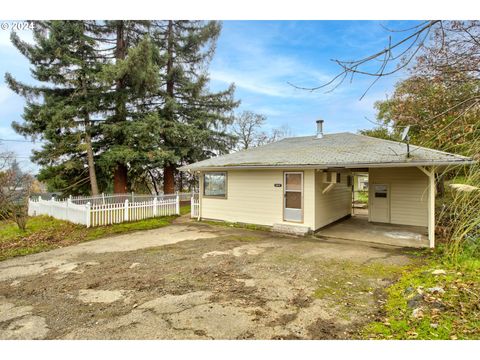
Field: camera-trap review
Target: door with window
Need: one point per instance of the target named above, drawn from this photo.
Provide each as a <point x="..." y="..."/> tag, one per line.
<point x="380" y="204"/>
<point x="293" y="196"/>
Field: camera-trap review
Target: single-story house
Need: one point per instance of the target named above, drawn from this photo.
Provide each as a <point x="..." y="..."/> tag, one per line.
<point x="306" y="182"/>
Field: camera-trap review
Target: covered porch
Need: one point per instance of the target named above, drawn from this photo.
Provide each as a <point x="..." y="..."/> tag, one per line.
<point x="360" y="229"/>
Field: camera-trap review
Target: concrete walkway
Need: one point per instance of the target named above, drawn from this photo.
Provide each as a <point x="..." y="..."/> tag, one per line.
<point x="359" y="229"/>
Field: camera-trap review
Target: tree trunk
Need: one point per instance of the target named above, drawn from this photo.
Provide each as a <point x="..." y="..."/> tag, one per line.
<point x="170" y="82"/>
<point x="88" y="142"/>
<point x="120" y="174"/>
<point x="169" y="169"/>
<point x="440" y="184"/>
<point x="120" y="179"/>
<point x="154" y="182"/>
<point x="169" y="179"/>
<point x="180" y="181"/>
<point x="90" y="160"/>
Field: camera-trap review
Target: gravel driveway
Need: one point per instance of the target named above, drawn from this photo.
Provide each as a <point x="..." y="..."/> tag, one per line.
<point x="197" y="281"/>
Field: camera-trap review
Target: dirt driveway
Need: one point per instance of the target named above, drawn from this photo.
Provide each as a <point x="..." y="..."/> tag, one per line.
<point x="197" y="281"/>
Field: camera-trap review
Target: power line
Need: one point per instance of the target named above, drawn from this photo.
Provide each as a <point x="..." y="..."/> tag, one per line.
<point x="18" y="140"/>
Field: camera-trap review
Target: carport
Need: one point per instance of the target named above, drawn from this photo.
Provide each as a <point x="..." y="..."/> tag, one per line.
<point x="360" y="229"/>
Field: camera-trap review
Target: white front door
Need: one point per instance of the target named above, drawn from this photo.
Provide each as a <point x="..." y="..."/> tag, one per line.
<point x="293" y="196"/>
<point x="380" y="203"/>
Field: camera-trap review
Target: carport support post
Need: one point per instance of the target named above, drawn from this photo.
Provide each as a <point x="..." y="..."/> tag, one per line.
<point x="200" y="196"/>
<point x="431" y="209"/>
<point x="431" y="204"/>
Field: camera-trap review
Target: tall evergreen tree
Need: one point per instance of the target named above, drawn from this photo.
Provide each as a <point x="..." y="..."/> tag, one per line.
<point x="190" y="122"/>
<point x="132" y="74"/>
<point x="122" y="99"/>
<point x="59" y="110"/>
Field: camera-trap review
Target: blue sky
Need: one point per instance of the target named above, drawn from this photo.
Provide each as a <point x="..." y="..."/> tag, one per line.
<point x="261" y="58"/>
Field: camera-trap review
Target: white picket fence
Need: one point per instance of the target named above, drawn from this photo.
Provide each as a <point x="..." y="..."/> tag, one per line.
<point x="100" y="214"/>
<point x="195" y="206"/>
<point x="63" y="210"/>
<point x="120" y="198"/>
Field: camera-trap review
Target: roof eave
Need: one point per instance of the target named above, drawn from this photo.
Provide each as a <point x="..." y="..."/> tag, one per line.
<point x="328" y="166"/>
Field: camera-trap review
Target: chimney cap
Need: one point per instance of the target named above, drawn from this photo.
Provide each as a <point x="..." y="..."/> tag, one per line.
<point x="319" y="129"/>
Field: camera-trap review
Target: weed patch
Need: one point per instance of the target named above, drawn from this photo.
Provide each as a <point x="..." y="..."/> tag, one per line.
<point x="429" y="304"/>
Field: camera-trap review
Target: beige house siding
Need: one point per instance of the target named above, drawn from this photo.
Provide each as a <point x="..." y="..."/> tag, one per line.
<point x="309" y="198"/>
<point x="333" y="205"/>
<point x="408" y="194"/>
<point x="253" y="198"/>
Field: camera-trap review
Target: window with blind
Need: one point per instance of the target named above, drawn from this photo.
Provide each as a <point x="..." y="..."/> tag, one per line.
<point x="215" y="184"/>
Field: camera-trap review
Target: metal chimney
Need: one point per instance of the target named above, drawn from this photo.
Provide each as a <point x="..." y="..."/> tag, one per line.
<point x="319" y="129"/>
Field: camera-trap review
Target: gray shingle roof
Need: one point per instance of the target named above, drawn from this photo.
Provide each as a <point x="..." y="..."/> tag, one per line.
<point x="333" y="150"/>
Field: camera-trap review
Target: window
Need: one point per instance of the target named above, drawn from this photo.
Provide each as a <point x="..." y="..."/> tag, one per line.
<point x="293" y="191"/>
<point x="215" y="184"/>
<point x="349" y="180"/>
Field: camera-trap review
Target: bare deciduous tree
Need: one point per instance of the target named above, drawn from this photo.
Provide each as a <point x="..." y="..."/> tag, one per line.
<point x="275" y="134"/>
<point x="430" y="47"/>
<point x="15" y="187"/>
<point x="393" y="58"/>
<point x="248" y="130"/>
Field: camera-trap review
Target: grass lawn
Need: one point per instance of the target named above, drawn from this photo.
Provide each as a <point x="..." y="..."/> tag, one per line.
<point x="425" y="305"/>
<point x="45" y="233"/>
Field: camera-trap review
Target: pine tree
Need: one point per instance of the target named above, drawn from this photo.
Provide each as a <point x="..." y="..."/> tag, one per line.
<point x="133" y="73"/>
<point x="190" y="122"/>
<point x="66" y="63"/>
<point x="122" y="99"/>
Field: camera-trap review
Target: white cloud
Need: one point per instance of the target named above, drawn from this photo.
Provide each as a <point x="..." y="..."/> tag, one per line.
<point x="269" y="111"/>
<point x="268" y="75"/>
<point x="250" y="82"/>
<point x="5" y="94"/>
<point x="257" y="66"/>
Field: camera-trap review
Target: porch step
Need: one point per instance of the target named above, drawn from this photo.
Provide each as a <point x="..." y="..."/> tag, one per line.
<point x="291" y="229"/>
